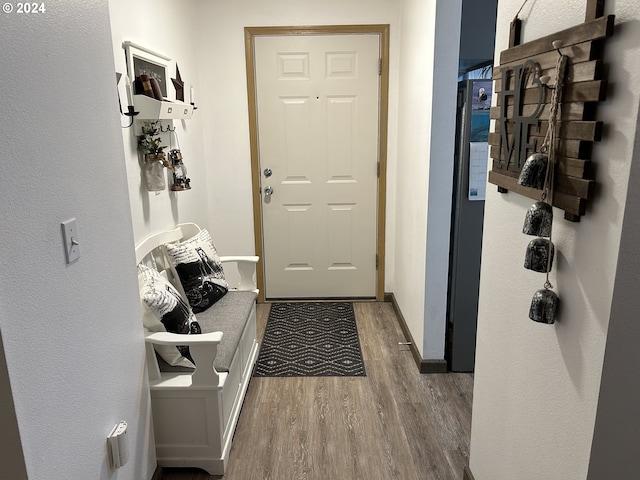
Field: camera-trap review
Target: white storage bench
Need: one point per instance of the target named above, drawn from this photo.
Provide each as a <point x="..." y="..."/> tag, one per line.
<point x="195" y="411"/>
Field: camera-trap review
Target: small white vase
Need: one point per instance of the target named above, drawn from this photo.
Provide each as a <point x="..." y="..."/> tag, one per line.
<point x="153" y="172"/>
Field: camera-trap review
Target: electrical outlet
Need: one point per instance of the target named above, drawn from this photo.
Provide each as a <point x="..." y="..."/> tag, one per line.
<point x="71" y="241"/>
<point x="119" y="445"/>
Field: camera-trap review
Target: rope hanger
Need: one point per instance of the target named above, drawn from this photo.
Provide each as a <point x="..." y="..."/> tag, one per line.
<point x="549" y="144"/>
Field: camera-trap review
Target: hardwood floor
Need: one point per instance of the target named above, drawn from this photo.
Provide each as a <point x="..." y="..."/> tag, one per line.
<point x="395" y="423"/>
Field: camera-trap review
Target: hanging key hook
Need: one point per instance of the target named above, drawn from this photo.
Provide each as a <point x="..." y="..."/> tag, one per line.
<point x="169" y="129"/>
<point x="557" y="44"/>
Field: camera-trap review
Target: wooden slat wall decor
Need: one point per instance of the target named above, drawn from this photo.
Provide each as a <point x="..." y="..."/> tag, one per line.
<point x="519" y="108"/>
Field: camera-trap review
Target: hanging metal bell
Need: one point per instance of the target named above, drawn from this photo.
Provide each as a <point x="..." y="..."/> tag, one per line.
<point x="544" y="306"/>
<point x="534" y="171"/>
<point x="537" y="255"/>
<point x="538" y="220"/>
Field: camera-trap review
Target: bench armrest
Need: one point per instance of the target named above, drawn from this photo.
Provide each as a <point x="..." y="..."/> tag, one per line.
<point x="203" y="348"/>
<point x="246" y="268"/>
<point x="167" y="338"/>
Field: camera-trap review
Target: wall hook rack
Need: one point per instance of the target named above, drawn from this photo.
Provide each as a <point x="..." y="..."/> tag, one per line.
<point x="557" y="44"/>
<point x="168" y="129"/>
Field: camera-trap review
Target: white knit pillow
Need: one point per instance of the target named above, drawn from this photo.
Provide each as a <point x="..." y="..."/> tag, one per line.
<point x="164" y="310"/>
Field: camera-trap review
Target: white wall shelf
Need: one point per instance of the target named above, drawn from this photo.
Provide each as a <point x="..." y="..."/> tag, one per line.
<point x="153" y="109"/>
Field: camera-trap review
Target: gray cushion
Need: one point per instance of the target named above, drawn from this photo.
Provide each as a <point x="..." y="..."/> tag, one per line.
<point x="229" y="316"/>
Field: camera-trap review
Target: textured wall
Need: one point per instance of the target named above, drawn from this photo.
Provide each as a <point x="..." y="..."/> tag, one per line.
<point x="614" y="451"/>
<point x="537" y="386"/>
<point x="71" y="334"/>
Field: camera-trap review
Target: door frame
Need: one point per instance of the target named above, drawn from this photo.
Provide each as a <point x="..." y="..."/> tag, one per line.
<point x="250" y="33"/>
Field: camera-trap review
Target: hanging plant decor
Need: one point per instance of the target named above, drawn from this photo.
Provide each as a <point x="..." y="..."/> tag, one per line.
<point x="154" y="159"/>
<point x="153" y="173"/>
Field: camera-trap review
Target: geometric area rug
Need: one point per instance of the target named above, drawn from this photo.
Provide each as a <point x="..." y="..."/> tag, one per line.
<point x="310" y="339"/>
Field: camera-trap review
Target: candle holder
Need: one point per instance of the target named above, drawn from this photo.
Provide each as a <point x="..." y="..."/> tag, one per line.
<point x="192" y="98"/>
<point x="131" y="112"/>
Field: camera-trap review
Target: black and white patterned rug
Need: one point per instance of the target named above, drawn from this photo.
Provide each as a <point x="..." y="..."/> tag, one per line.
<point x="310" y="339"/>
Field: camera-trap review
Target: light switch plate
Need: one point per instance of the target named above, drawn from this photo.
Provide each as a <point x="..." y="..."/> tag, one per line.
<point x="71" y="241"/>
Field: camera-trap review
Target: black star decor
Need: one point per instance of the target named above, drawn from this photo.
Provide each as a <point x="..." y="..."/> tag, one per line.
<point x="179" y="85"/>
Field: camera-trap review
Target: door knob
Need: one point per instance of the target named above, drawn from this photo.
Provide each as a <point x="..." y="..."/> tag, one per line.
<point x="268" y="191"/>
<point x="267" y="172"/>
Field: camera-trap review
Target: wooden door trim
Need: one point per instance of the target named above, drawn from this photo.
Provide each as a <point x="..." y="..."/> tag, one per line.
<point x="249" y="44"/>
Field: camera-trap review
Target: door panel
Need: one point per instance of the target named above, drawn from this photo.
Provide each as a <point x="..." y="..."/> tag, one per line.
<point x="317" y="108"/>
<point x="340" y="222"/>
<point x="300" y="230"/>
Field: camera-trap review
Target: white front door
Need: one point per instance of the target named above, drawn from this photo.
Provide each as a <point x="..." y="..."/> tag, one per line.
<point x="318" y="108"/>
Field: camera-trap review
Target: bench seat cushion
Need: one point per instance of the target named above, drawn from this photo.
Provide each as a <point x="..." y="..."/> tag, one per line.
<point x="229" y="315"/>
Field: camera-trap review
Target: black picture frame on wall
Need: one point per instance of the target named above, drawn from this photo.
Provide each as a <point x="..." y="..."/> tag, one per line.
<point x="141" y="60"/>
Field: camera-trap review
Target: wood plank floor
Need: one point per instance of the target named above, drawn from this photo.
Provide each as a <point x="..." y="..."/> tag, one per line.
<point x="392" y="424"/>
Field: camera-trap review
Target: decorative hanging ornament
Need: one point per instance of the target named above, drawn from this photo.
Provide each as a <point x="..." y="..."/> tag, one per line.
<point x="180" y="180"/>
<point x="538" y="220"/>
<point x="544" y="306"/>
<point x="534" y="171"/>
<point x="539" y="256"/>
<point x="539" y="172"/>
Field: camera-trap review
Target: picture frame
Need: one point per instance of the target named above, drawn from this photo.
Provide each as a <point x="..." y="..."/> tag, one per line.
<point x="141" y="60"/>
<point x="481" y="92"/>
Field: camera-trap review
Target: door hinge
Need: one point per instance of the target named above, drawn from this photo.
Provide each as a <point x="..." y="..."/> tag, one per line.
<point x="377" y="261"/>
<point x="378" y="170"/>
<point x="379" y="66"/>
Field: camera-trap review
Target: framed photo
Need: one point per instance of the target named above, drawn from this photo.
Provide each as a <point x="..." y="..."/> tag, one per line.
<point x="481" y="92"/>
<point x="142" y="61"/>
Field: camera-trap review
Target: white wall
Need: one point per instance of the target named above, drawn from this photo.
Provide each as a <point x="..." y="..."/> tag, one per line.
<point x="167" y="27"/>
<point x="426" y="136"/>
<point x="536" y="386"/>
<point x="614" y="450"/>
<point x="444" y="71"/>
<point x="412" y="174"/>
<point x="70" y="333"/>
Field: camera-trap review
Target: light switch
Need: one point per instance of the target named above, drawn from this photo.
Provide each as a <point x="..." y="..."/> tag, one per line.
<point x="71" y="241"/>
